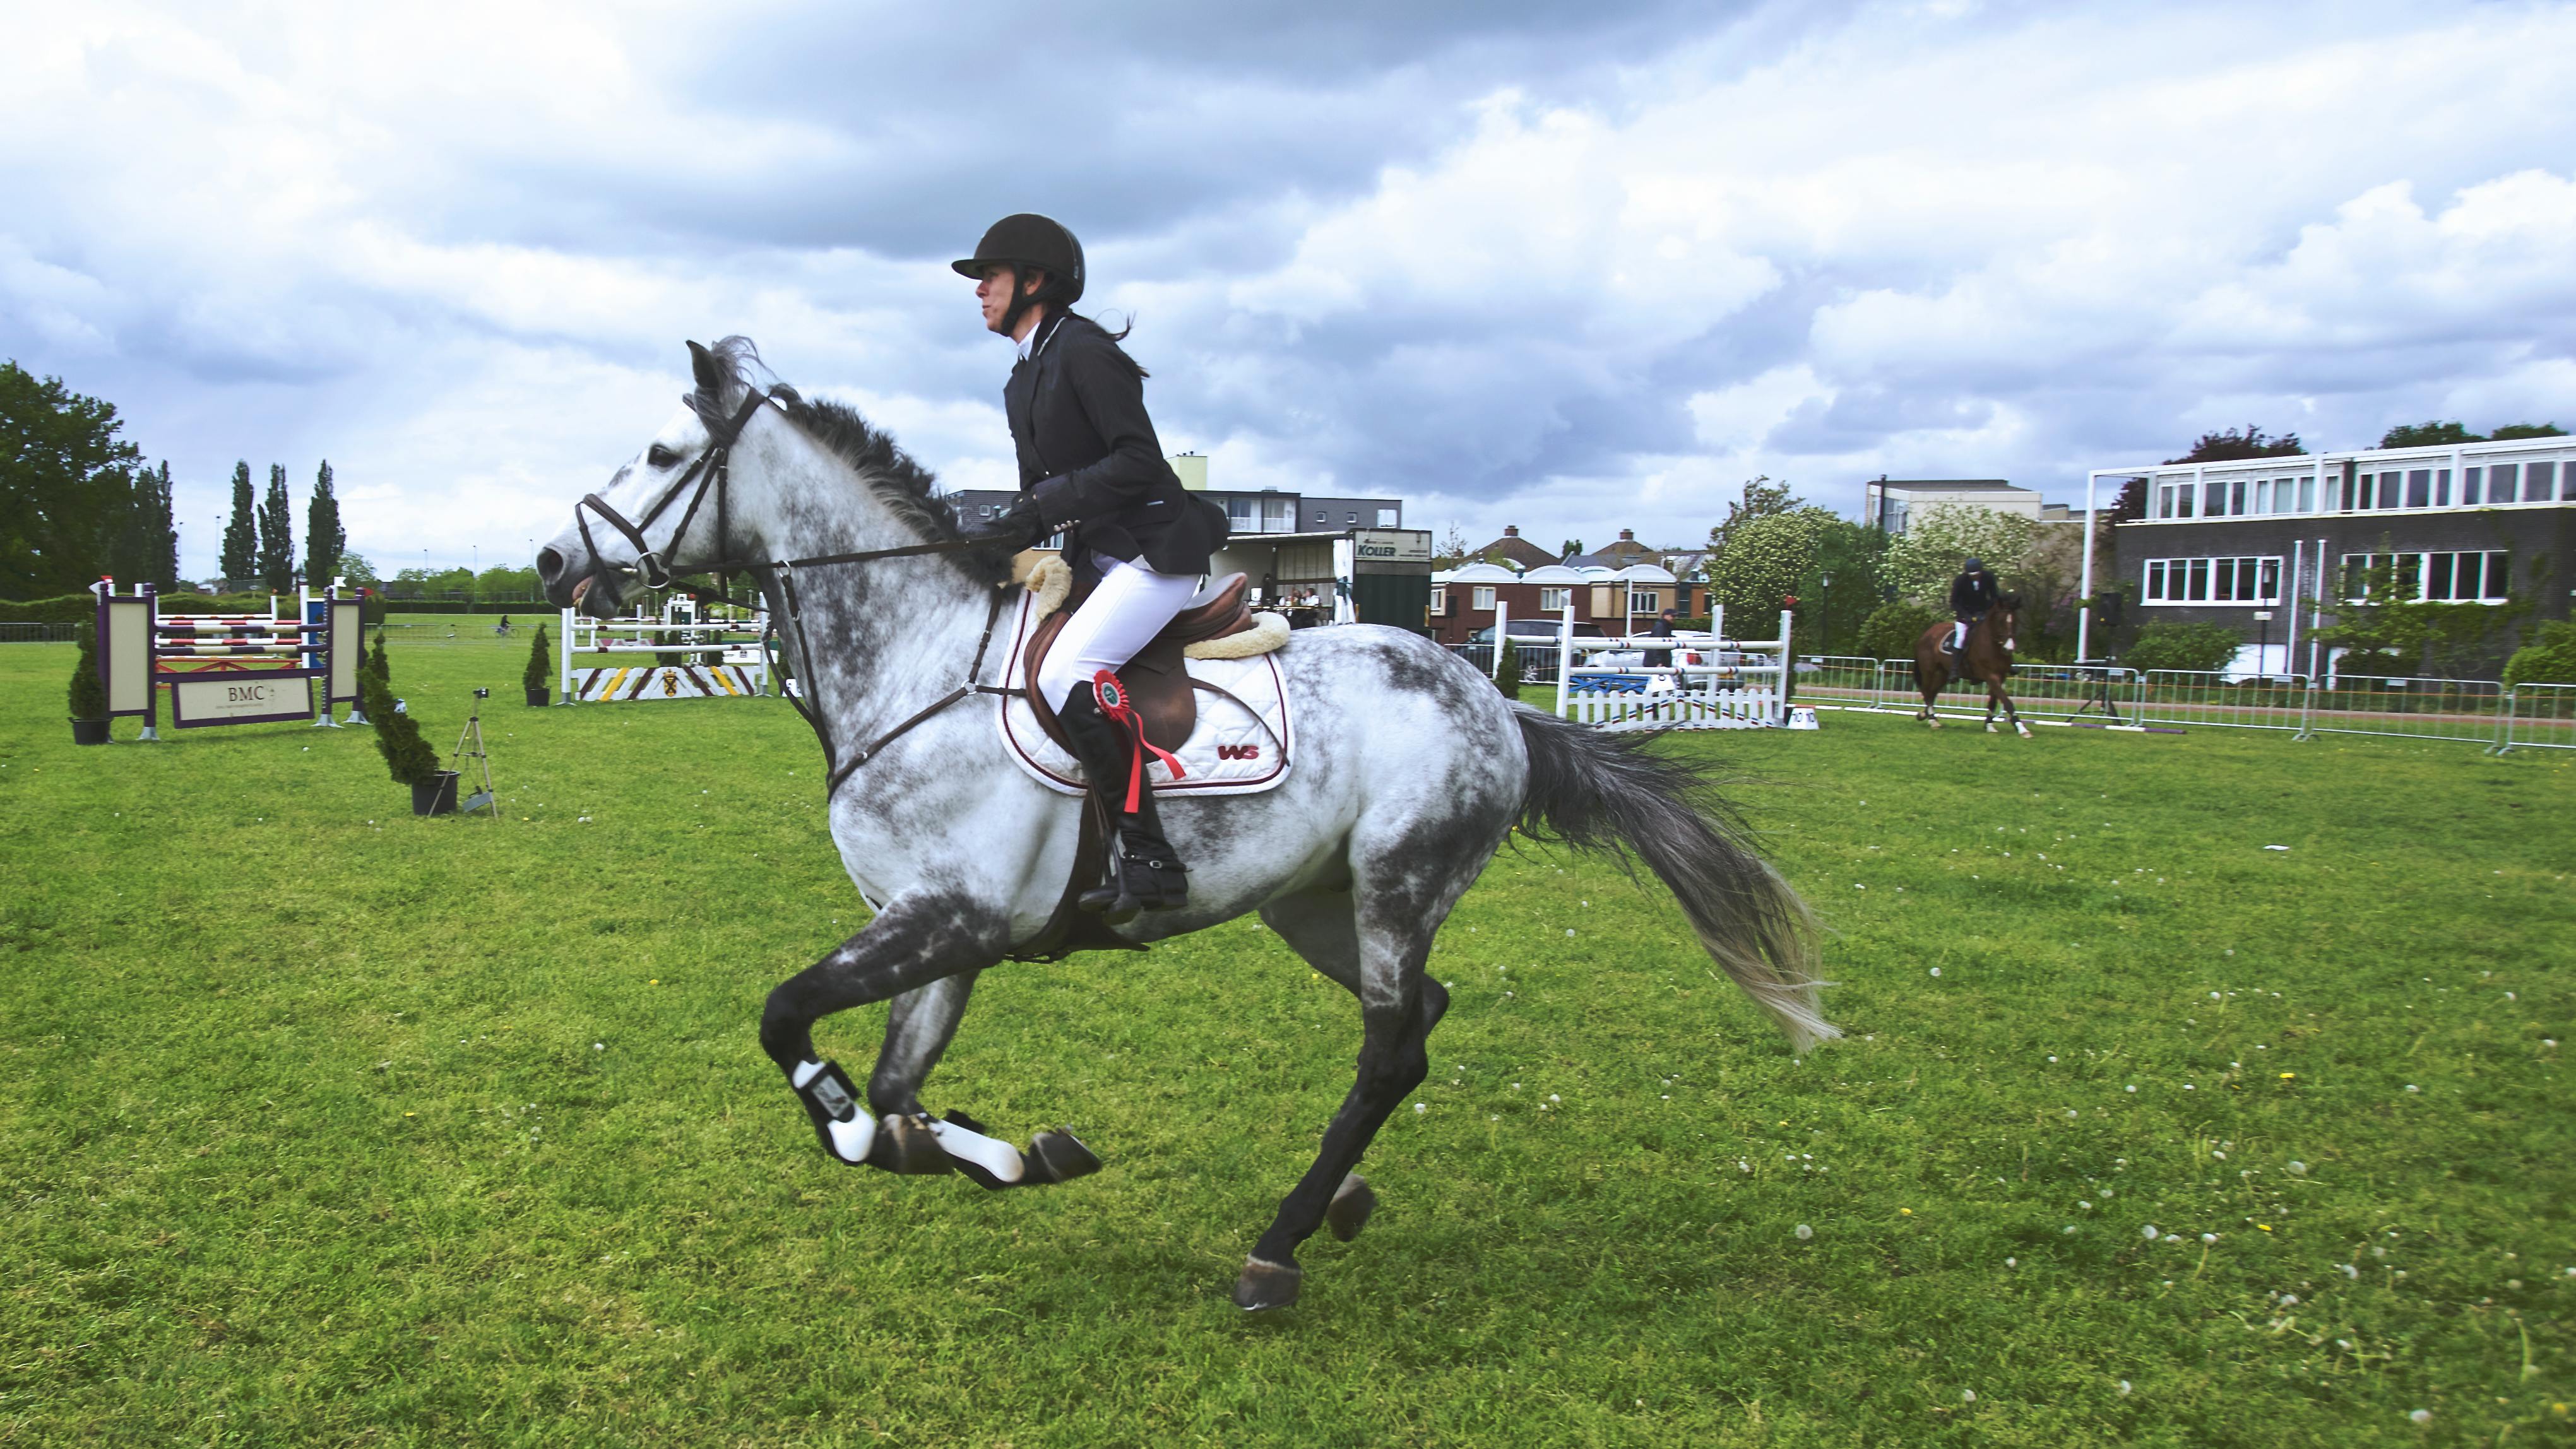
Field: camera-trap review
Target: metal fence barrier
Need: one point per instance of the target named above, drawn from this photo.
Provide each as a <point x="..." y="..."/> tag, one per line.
<point x="2206" y="697"/>
<point x="2407" y="708"/>
<point x="2068" y="693"/>
<point x="2538" y="717"/>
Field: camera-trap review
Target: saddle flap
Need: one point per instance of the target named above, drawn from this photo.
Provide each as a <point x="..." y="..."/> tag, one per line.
<point x="1214" y="614"/>
<point x="1158" y="685"/>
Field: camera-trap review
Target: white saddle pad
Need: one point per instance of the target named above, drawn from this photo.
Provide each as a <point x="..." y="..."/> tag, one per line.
<point x="1235" y="749"/>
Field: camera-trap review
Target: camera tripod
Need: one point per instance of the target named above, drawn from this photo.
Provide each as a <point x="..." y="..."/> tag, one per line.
<point x="473" y="734"/>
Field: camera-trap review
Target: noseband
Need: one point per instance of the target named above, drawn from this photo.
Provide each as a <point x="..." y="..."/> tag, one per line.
<point x="710" y="468"/>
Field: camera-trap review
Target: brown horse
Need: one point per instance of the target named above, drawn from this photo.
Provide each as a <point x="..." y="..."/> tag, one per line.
<point x="1988" y="658"/>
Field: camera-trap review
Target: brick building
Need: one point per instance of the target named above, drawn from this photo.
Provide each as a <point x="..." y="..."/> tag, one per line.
<point x="2241" y="543"/>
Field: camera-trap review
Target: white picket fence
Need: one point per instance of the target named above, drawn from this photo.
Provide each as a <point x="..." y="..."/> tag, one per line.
<point x="1700" y="689"/>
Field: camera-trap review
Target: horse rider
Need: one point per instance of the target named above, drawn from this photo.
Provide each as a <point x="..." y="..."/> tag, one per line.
<point x="1972" y="593"/>
<point x="1662" y="628"/>
<point x="1137" y="541"/>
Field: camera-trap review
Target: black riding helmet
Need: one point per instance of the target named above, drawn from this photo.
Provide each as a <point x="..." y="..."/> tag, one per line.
<point x="1973" y="566"/>
<point x="1030" y="240"/>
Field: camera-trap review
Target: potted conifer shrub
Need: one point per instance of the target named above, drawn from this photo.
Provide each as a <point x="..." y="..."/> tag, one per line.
<point x="407" y="755"/>
<point x="535" y="679"/>
<point x="88" y="697"/>
<point x="1507" y="670"/>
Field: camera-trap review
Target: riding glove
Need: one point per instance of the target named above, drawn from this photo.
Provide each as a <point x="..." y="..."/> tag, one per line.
<point x="1019" y="526"/>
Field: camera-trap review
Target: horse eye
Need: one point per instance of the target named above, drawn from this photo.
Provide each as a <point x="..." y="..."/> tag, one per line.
<point x="660" y="457"/>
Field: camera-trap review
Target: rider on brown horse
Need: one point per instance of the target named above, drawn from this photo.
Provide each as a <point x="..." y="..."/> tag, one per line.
<point x="1972" y="593"/>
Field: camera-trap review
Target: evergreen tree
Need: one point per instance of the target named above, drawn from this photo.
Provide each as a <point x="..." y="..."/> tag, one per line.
<point x="276" y="536"/>
<point x="324" y="538"/>
<point x="241" y="535"/>
<point x="161" y="529"/>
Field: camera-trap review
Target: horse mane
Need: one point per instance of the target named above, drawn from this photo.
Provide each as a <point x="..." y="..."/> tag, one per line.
<point x="896" y="478"/>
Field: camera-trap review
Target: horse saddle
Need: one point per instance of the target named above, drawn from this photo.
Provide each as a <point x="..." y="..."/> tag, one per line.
<point x="1157" y="679"/>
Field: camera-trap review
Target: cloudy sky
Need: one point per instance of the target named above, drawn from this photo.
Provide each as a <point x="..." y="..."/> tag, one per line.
<point x="1572" y="266"/>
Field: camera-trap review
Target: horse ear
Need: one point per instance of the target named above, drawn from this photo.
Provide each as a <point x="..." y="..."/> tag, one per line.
<point x="710" y="373"/>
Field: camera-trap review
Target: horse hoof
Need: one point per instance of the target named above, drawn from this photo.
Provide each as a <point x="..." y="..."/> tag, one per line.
<point x="907" y="1145"/>
<point x="1266" y="1285"/>
<point x="1349" y="1210"/>
<point x="2021" y="729"/>
<point x="1990" y="728"/>
<point x="1059" y="1157"/>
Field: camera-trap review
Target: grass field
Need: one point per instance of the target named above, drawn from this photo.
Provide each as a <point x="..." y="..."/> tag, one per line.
<point x="320" y="1123"/>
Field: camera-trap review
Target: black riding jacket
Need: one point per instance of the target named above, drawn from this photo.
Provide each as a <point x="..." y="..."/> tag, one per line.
<point x="1089" y="457"/>
<point x="1972" y="594"/>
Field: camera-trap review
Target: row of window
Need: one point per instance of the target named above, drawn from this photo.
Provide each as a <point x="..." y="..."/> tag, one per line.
<point x="2545" y="481"/>
<point x="2213" y="581"/>
<point x="1265" y="515"/>
<point x="2464" y="577"/>
<point x="1552" y="599"/>
<point x="1279" y="515"/>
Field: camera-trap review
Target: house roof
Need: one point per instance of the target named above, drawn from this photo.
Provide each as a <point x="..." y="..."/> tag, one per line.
<point x="1555" y="574"/>
<point x="1477" y="573"/>
<point x="1519" y="550"/>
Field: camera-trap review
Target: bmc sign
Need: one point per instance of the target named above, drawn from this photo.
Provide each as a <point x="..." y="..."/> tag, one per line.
<point x="243" y="698"/>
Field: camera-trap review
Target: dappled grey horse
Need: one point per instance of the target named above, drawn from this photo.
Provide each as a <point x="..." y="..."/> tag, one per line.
<point x="1411" y="770"/>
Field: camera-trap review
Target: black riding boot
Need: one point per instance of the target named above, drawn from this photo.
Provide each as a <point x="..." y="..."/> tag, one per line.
<point x="1146" y="873"/>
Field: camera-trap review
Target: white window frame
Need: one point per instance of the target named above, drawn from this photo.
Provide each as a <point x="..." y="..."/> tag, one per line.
<point x="2157" y="583"/>
<point x="1552" y="598"/>
<point x="1440" y="598"/>
<point x="1484" y="596"/>
<point x="2494" y="564"/>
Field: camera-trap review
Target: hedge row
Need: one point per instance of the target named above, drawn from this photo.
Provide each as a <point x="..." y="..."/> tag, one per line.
<point x="82" y="608"/>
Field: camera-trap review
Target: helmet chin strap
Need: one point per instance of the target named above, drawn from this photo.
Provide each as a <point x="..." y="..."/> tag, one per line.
<point x="1022" y="299"/>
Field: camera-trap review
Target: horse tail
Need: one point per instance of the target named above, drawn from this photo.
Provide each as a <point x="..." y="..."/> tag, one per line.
<point x="1604" y="792"/>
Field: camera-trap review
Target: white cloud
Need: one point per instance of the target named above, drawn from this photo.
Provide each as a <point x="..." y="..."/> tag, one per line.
<point x="1572" y="271"/>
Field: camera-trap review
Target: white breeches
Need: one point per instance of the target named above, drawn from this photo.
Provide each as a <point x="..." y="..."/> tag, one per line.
<point x="1122" y="616"/>
<point x="1958" y="635"/>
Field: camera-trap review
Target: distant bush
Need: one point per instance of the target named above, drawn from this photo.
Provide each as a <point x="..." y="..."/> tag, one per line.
<point x="82" y="608"/>
<point x="2166" y="644"/>
<point x="1893" y="629"/>
<point x="2549" y="658"/>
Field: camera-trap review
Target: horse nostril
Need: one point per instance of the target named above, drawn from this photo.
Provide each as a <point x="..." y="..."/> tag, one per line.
<point x="550" y="565"/>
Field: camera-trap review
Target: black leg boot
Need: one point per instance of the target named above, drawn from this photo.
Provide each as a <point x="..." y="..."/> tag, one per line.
<point x="1148" y="868"/>
<point x="1146" y="875"/>
<point x="1107" y="757"/>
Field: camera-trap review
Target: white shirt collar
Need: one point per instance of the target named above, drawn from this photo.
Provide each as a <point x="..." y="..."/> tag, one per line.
<point x="1038" y="335"/>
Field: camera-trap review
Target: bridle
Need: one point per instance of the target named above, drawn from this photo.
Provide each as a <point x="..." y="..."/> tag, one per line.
<point x="711" y="471"/>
